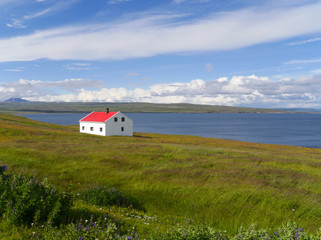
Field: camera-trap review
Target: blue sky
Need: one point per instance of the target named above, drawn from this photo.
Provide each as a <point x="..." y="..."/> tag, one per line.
<point x="255" y="53"/>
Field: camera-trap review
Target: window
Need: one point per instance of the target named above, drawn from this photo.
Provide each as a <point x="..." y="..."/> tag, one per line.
<point x="83" y="128"/>
<point x="123" y="119"/>
<point x="91" y="128"/>
<point x="101" y="129"/>
<point x="115" y="119"/>
<point x="122" y="129"/>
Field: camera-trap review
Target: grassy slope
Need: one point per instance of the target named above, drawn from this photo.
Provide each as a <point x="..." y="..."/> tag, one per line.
<point x="225" y="183"/>
<point x="124" y="107"/>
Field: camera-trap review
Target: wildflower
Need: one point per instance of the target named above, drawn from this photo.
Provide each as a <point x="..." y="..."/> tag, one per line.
<point x="80" y="238"/>
<point x="276" y="233"/>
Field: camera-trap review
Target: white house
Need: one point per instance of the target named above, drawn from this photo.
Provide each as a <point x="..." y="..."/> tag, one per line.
<point x="106" y="124"/>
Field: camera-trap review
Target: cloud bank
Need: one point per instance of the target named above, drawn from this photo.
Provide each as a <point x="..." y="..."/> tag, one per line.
<point x="238" y="91"/>
<point x="154" y="35"/>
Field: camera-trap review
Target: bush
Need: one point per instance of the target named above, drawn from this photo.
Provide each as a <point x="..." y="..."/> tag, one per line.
<point x="191" y="232"/>
<point x="290" y="231"/>
<point x="25" y="200"/>
<point x="104" y="196"/>
<point x="101" y="228"/>
<point x="252" y="233"/>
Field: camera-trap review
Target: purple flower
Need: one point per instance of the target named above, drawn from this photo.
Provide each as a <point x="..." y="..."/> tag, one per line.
<point x="275" y="233"/>
<point x="80" y="238"/>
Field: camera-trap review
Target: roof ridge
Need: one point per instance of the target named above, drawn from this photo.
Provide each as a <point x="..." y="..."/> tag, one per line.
<point x="98" y="116"/>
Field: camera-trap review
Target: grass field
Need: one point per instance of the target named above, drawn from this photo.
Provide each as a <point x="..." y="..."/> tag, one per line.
<point x="227" y="184"/>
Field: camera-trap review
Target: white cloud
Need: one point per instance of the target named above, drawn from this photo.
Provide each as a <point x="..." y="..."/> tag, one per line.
<point x="305" y="41"/>
<point x="15" y="23"/>
<point x="149" y="36"/>
<point x="316" y="71"/>
<point x="238" y="91"/>
<point x="181" y="1"/>
<point x="38" y="14"/>
<point x="304" y="61"/>
<point x="132" y="74"/>
<point x="58" y="6"/>
<point x="78" y="66"/>
<point x="117" y="1"/>
<point x="144" y="79"/>
<point x="209" y="67"/>
<point x="6" y="90"/>
<point x="178" y="1"/>
<point x="5" y="2"/>
<point x="36" y="89"/>
<point x="13" y="70"/>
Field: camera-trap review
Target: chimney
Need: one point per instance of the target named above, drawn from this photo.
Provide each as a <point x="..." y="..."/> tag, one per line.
<point x="107" y="110"/>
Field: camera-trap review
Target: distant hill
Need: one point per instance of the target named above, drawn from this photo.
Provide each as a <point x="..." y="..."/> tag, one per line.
<point x="300" y="110"/>
<point x="16" y="100"/>
<point x="54" y="107"/>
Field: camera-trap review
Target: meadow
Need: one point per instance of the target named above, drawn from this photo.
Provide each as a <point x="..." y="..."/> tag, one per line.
<point x="174" y="179"/>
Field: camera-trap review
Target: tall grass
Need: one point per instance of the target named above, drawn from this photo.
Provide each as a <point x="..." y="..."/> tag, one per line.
<point x="223" y="183"/>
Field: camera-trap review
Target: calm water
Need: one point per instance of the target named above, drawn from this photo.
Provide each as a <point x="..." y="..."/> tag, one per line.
<point x="289" y="129"/>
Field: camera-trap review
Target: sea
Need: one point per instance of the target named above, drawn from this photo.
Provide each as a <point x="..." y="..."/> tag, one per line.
<point x="297" y="129"/>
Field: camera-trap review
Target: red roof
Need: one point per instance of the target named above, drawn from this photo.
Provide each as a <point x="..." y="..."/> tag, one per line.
<point x="98" y="117"/>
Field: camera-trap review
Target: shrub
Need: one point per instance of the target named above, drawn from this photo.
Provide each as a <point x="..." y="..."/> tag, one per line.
<point x="294" y="231"/>
<point x="252" y="233"/>
<point x="25" y="200"/>
<point x="191" y="232"/>
<point x="104" y="196"/>
<point x="101" y="228"/>
<point x="290" y="231"/>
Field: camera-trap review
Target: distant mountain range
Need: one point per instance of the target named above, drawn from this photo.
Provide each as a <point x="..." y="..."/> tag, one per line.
<point x="15" y="100"/>
<point x="13" y="105"/>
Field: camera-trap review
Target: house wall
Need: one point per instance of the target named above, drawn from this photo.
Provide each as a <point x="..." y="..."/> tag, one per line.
<point x="93" y="128"/>
<point x="110" y="127"/>
<point x="115" y="128"/>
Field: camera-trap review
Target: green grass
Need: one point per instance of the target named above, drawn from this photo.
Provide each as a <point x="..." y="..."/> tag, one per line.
<point x="227" y="184"/>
